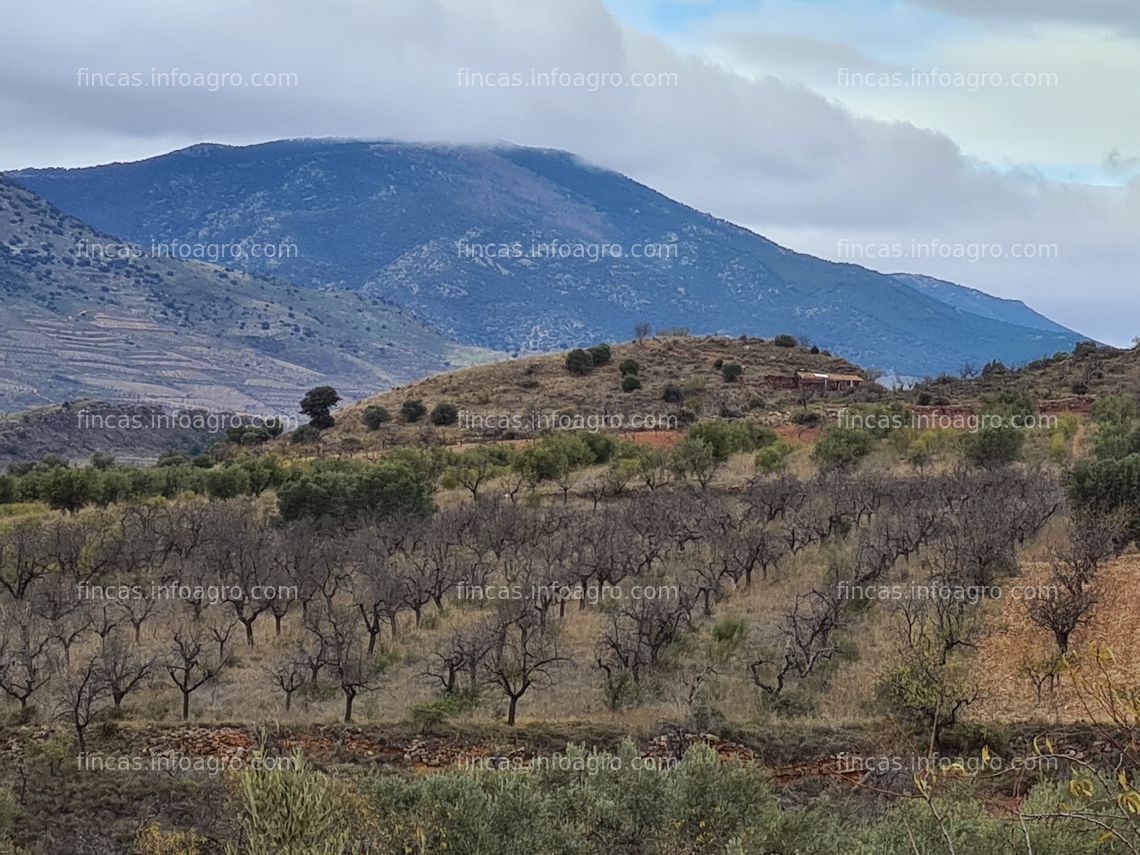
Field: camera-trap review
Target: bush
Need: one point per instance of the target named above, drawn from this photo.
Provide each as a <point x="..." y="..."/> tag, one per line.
<point x="731" y="371"/>
<point x="393" y="488"/>
<point x="305" y="435"/>
<point x="412" y="410"/>
<point x="444" y="414"/>
<point x="600" y="354"/>
<point x="840" y="448"/>
<point x="286" y="808"/>
<point x="374" y="416"/>
<point x="629" y="366"/>
<point x="1084" y="348"/>
<point x="993" y="368"/>
<point x="728" y="438"/>
<point x="579" y="362"/>
<point x="993" y="447"/>
<point x="772" y="457"/>
<point x="1106" y="487"/>
<point x="630" y="383"/>
<point x="784" y="340"/>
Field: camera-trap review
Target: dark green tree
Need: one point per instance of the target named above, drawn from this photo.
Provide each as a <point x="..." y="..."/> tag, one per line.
<point x="412" y="410"/>
<point x="317" y="404"/>
<point x="444" y="414"/>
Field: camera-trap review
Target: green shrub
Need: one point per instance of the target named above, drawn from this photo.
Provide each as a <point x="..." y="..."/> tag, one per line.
<point x="374" y="416"/>
<point x="394" y="487"/>
<point x="1104" y="487"/>
<point x="629" y="366"/>
<point x="672" y="394"/>
<point x="579" y="362"/>
<point x="784" y="340"/>
<point x="600" y="354"/>
<point x="287" y="809"/>
<point x="444" y="414"/>
<point x="438" y="709"/>
<point x="731" y="371"/>
<point x="412" y="410"/>
<point x="726" y="438"/>
<point x="630" y="383"/>
<point x="840" y="448"/>
<point x="772" y="458"/>
<point x="993" y="447"/>
<point x="305" y="435"/>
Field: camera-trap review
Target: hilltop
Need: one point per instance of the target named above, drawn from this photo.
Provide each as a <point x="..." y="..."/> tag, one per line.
<point x="524" y="397"/>
<point x="524" y="250"/>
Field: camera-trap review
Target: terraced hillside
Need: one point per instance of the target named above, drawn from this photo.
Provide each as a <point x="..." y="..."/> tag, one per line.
<point x="88" y="316"/>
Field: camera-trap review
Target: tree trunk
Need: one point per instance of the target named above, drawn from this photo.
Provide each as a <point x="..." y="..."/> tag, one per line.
<point x="349" y="697"/>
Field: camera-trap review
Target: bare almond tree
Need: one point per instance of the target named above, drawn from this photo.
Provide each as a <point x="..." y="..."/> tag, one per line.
<point x="191" y="662"/>
<point x="523" y="654"/>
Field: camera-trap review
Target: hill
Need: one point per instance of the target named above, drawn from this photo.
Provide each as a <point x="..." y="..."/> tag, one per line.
<point x="131" y="433"/>
<point x="529" y="250"/>
<point x="1085" y="373"/>
<point x="524" y="397"/>
<point x="88" y="316"/>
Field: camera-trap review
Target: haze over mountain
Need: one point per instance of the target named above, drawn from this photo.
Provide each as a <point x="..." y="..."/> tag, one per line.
<point x="451" y="232"/>
<point x="88" y="316"/>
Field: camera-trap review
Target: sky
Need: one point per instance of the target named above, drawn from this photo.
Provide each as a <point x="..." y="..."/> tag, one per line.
<point x="995" y="144"/>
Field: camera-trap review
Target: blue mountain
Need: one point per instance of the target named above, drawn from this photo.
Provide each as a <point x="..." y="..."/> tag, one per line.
<point x="521" y="250"/>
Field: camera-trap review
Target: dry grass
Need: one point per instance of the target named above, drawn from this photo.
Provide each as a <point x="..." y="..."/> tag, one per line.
<point x="1010" y="695"/>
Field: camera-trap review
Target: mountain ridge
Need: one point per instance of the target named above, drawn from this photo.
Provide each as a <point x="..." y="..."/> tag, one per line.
<point x="411" y="223"/>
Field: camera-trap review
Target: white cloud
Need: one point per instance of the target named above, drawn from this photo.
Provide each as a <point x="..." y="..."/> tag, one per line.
<point x="768" y="153"/>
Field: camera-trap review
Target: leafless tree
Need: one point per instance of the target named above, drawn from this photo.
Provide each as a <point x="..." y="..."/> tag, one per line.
<point x="26" y="660"/>
<point x="523" y="654"/>
<point x="191" y="663"/>
<point x="123" y="667"/>
<point x="84" y="692"/>
<point x="1068" y="602"/>
<point x="809" y="637"/>
<point x="289" y="676"/>
<point x="345" y="655"/>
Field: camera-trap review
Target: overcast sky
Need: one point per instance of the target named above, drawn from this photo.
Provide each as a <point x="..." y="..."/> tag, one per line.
<point x="930" y="131"/>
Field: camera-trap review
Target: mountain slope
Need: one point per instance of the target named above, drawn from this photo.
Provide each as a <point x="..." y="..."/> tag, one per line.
<point x="86" y="316"/>
<point x="449" y="233"/>
<point x="980" y="303"/>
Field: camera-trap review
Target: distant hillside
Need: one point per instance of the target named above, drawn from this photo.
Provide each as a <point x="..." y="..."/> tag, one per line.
<point x="525" y="397"/>
<point x="980" y="303"/>
<point x="527" y="250"/>
<point x="87" y="316"/>
<point x="131" y="433"/>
